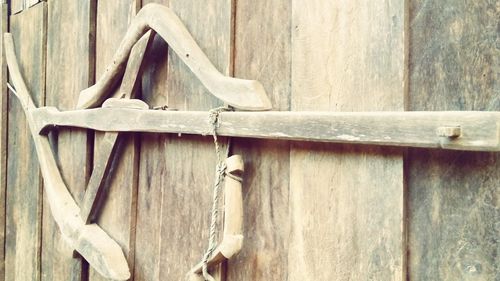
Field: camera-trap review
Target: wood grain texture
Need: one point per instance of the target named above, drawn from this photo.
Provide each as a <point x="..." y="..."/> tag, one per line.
<point x="240" y="93"/>
<point x="458" y="130"/>
<point x="178" y="173"/>
<point x="453" y="197"/>
<point x="262" y="51"/>
<point x="454" y="60"/>
<point x="152" y="164"/>
<point x="232" y="238"/>
<point x="210" y="26"/>
<point x="346" y="203"/>
<point x="24" y="185"/>
<point x="117" y="214"/>
<point x="29" y="3"/>
<point x="16" y="6"/>
<point x="186" y="204"/>
<point x="69" y="70"/>
<point x="90" y="241"/>
<point x="4" y="20"/>
<point x="95" y="188"/>
<point x="453" y="215"/>
<point x="95" y="191"/>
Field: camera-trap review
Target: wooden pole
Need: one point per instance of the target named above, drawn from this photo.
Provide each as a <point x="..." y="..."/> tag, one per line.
<point x="460" y="130"/>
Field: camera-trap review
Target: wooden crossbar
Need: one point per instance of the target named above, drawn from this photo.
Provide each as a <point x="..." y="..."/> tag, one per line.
<point x="463" y="130"/>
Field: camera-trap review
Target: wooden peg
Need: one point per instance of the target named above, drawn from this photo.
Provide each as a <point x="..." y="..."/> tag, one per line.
<point x="449" y="131"/>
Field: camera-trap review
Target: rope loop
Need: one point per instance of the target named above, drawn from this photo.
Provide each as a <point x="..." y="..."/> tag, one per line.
<point x="220" y="173"/>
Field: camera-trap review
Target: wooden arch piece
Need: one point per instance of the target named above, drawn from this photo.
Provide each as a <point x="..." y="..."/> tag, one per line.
<point x="89" y="240"/>
<point x="239" y="93"/>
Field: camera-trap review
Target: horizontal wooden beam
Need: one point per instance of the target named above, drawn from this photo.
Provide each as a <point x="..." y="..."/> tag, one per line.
<point x="462" y="130"/>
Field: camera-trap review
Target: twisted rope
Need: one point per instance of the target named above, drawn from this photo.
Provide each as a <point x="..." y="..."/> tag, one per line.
<point x="220" y="172"/>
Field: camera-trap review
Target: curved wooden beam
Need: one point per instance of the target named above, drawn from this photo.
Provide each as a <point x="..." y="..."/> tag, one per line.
<point x="100" y="250"/>
<point x="239" y="93"/>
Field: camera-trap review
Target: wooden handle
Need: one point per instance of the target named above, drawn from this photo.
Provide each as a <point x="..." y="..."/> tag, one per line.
<point x="233" y="199"/>
<point x="239" y="93"/>
<point x="232" y="240"/>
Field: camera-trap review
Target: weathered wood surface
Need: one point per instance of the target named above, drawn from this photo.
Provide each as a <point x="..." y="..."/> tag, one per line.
<point x="459" y="130"/>
<point x="244" y="94"/>
<point x="125" y="102"/>
<point x="232" y="239"/>
<point x="3" y="135"/>
<point x="175" y="188"/>
<point x="210" y="26"/>
<point x="30" y="3"/>
<point x="118" y="211"/>
<point x="16" y="6"/>
<point x="453" y="197"/>
<point x="69" y="69"/>
<point x="151" y="164"/>
<point x="346" y="202"/>
<point x="133" y="71"/>
<point x="343" y="207"/>
<point x="95" y="191"/>
<point x="89" y="240"/>
<point x="262" y="52"/>
<point x="24" y="186"/>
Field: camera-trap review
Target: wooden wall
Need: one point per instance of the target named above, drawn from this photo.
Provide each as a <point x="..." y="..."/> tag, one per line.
<point x="312" y="211"/>
<point x="453" y="197"/>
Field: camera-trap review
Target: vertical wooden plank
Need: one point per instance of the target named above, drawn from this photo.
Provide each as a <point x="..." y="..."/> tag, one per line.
<point x="453" y="196"/>
<point x="152" y="165"/>
<point x="263" y="52"/>
<point x="3" y="136"/>
<point x="69" y="70"/>
<point x="210" y="25"/>
<point x="175" y="186"/>
<point x="24" y="185"/>
<point x="16" y="6"/>
<point x="186" y="204"/>
<point x="30" y="3"/>
<point x="117" y="215"/>
<point x="346" y="202"/>
<point x="187" y="198"/>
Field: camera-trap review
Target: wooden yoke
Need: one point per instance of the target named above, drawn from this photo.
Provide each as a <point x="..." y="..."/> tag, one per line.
<point x="119" y="113"/>
<point x="232" y="239"/>
<point x="239" y="93"/>
<point x="75" y="223"/>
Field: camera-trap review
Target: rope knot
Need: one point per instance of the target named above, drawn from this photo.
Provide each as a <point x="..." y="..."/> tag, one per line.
<point x="213" y="119"/>
<point x="220" y="173"/>
<point x="221" y="168"/>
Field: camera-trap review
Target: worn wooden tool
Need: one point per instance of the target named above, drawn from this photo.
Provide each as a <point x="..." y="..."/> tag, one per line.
<point x="449" y="130"/>
<point x="232" y="239"/>
<point x="100" y="250"/>
<point x="457" y="130"/>
<point x="88" y="239"/>
<point x="239" y="93"/>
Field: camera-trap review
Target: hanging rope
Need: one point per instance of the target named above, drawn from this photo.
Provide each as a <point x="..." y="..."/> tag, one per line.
<point x="220" y="172"/>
